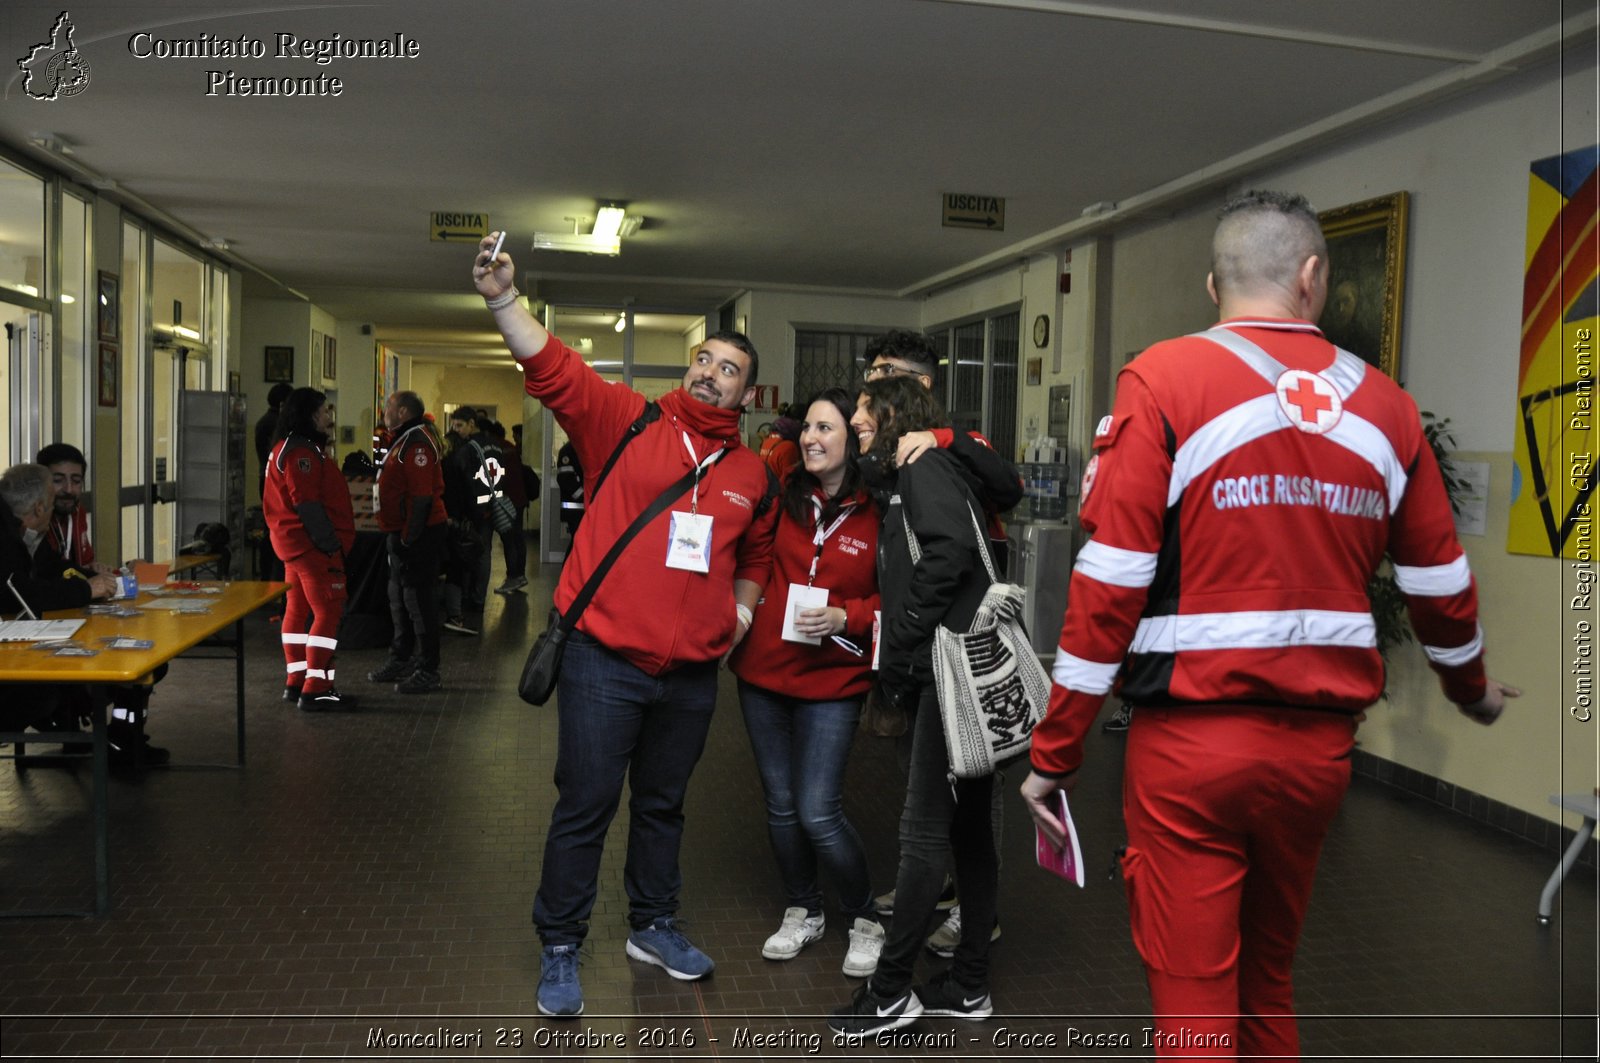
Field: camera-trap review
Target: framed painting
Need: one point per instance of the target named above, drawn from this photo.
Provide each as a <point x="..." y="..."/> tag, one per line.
<point x="1367" y="278"/>
<point x="107" y="382"/>
<point x="279" y="365"/>
<point x="1035" y="371"/>
<point x="110" y="309"/>
<point x="330" y="360"/>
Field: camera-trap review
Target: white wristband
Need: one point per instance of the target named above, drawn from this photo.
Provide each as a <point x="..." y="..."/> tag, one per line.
<point x="503" y="300"/>
<point x="744" y="612"/>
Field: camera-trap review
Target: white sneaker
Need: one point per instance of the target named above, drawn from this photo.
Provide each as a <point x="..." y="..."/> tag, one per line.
<point x="798" y="931"/>
<point x="866" y="945"/>
<point x="943" y="941"/>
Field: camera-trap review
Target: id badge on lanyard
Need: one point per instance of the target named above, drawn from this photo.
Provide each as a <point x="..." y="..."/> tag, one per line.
<point x="808" y="595"/>
<point x="689" y="535"/>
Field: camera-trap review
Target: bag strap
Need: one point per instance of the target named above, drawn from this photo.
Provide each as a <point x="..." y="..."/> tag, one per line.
<point x="674" y="491"/>
<point x="651" y="413"/>
<point x="977" y="528"/>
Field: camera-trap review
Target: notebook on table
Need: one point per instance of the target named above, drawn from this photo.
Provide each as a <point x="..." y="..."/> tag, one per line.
<point x="38" y="630"/>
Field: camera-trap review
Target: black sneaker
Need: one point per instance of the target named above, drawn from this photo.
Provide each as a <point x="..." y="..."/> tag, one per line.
<point x="392" y="670"/>
<point x="942" y="996"/>
<point x="460" y="625"/>
<point x="1118" y="721"/>
<point x="129" y="747"/>
<point x="419" y="682"/>
<point x="329" y="700"/>
<point x="868" y="1014"/>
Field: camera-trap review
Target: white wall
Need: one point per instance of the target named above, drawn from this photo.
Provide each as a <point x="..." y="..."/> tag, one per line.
<point x="270" y="323"/>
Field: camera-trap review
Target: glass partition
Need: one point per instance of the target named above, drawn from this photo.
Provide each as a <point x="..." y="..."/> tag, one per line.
<point x="22" y="228"/>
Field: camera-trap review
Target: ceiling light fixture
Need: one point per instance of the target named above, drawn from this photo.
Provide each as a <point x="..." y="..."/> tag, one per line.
<point x="584" y="243"/>
<point x="608" y="221"/>
<point x="622" y="323"/>
<point x="611" y="224"/>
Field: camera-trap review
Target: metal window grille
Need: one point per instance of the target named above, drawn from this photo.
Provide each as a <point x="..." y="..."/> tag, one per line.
<point x="977" y="378"/>
<point x="828" y="358"/>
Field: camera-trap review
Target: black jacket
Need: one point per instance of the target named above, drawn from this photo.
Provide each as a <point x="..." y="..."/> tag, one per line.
<point x="44" y="580"/>
<point x="935" y="495"/>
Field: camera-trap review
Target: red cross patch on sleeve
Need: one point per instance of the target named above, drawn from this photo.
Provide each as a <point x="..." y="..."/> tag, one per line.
<point x="422" y="456"/>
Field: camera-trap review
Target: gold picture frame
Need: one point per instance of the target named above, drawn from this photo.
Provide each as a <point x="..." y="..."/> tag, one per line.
<point x="1367" y="278"/>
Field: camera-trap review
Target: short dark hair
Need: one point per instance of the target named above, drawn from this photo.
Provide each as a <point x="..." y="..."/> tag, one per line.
<point x="900" y="404"/>
<point x="56" y="453"/>
<point x="410" y="402"/>
<point x="914" y="348"/>
<point x="279" y="393"/>
<point x="298" y="413"/>
<point x="742" y="342"/>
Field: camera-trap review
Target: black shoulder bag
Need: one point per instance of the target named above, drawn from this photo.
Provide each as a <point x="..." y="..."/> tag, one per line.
<point x="543" y="666"/>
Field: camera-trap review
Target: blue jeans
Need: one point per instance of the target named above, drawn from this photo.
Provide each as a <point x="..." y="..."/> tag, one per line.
<point x="617" y="721"/>
<point x="801" y="748"/>
<point x="940" y="819"/>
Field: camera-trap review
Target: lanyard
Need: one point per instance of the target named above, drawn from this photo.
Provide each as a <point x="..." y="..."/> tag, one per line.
<point x="823" y="534"/>
<point x="699" y="467"/>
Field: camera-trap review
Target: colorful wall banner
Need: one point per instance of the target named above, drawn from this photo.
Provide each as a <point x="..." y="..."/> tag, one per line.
<point x="1552" y="474"/>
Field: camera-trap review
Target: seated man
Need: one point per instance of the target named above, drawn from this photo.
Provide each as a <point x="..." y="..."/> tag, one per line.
<point x="69" y="542"/>
<point x="34" y="580"/>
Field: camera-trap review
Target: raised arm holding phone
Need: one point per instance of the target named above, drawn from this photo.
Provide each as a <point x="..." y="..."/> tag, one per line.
<point x="635" y="695"/>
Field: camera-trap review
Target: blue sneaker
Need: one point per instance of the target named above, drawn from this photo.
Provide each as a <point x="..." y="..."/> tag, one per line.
<point x="662" y="944"/>
<point x="560" y="995"/>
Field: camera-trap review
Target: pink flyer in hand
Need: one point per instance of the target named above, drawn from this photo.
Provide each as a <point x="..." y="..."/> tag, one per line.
<point x="1066" y="861"/>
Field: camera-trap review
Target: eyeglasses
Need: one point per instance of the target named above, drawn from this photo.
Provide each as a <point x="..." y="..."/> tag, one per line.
<point x="888" y="369"/>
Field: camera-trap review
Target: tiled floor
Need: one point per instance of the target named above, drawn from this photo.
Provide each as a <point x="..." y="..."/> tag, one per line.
<point x="370" y="874"/>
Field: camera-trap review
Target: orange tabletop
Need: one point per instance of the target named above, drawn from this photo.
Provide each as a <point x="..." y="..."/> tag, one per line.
<point x="171" y="632"/>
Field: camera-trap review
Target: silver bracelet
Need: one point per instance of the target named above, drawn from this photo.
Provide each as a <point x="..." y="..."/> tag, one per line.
<point x="503" y="300"/>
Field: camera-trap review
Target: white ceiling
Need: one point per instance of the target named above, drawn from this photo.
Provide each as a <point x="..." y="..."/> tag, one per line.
<point x="792" y="143"/>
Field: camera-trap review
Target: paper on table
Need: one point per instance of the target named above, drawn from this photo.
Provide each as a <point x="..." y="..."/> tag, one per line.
<point x="1066" y="861"/>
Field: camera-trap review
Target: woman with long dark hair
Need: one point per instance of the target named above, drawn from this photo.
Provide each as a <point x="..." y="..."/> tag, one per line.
<point x="803" y="670"/>
<point x="937" y="578"/>
<point x="307" y="506"/>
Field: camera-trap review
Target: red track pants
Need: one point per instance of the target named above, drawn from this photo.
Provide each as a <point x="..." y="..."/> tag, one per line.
<point x="311" y="615"/>
<point x="1226" y="810"/>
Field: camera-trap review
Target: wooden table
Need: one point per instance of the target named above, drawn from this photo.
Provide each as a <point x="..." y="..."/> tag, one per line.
<point x="173" y="634"/>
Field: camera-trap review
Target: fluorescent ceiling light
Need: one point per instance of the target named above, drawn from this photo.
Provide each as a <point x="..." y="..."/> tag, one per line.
<point x="187" y="333"/>
<point x="584" y="243"/>
<point x="608" y="221"/>
<point x="622" y="323"/>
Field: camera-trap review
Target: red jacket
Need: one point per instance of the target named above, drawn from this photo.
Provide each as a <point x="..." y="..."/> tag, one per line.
<point x="657" y="617"/>
<point x="848" y="568"/>
<point x="300" y="472"/>
<point x="1243" y="490"/>
<point x="68" y="536"/>
<point x="410" y="469"/>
